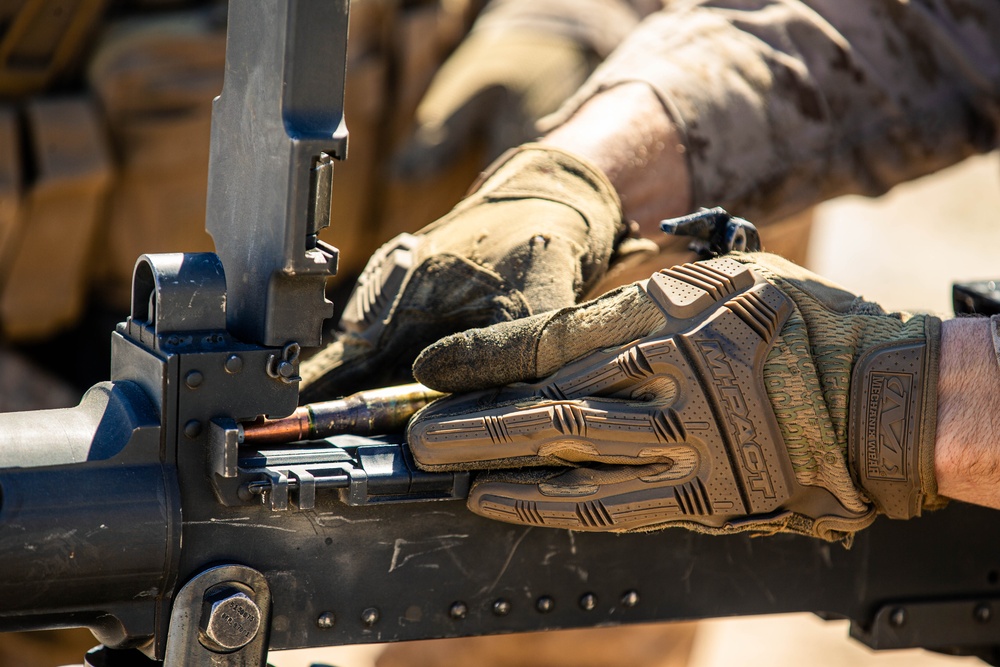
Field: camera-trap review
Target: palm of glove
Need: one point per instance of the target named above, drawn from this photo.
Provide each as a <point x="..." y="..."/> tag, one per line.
<point x="716" y="396"/>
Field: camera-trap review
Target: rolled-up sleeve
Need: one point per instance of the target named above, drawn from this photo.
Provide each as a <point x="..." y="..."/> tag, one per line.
<point x="784" y="103"/>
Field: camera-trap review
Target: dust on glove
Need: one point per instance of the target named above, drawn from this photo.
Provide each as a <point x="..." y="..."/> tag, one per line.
<point x="737" y="394"/>
<point x="534" y="236"/>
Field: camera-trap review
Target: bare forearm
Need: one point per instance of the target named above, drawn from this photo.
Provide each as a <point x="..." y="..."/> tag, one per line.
<point x="967" y="452"/>
<point x="626" y="132"/>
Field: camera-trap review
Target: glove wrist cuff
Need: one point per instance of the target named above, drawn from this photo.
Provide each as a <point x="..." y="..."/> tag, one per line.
<point x="538" y="171"/>
<point x="894" y="423"/>
<point x="552" y="158"/>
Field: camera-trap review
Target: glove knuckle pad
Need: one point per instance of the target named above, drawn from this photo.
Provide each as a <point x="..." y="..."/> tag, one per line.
<point x="690" y="395"/>
<point x="379" y="284"/>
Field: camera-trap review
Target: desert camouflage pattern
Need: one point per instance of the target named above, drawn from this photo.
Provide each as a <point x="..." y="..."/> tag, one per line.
<point x="782" y="104"/>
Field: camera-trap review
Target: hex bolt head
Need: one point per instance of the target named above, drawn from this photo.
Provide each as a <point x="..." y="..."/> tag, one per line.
<point x="326" y="620"/>
<point x="501" y="607"/>
<point x="897" y="617"/>
<point x="630" y="599"/>
<point x="588" y="602"/>
<point x="230" y="620"/>
<point x="370" y="616"/>
<point x="545" y="604"/>
<point x="458" y="610"/>
<point x="234" y="364"/>
<point x="983" y="612"/>
<point x="194" y="379"/>
<point x="192" y="429"/>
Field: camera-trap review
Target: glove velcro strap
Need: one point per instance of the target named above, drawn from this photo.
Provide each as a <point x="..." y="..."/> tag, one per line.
<point x="893" y="424"/>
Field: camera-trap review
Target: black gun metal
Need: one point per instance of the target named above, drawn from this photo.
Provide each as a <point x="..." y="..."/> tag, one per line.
<point x="714" y="232"/>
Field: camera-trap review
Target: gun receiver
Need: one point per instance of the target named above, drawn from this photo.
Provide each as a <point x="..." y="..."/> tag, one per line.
<point x="160" y="514"/>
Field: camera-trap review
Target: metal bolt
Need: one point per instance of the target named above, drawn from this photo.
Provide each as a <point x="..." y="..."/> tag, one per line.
<point x="501" y="607"/>
<point x="458" y="611"/>
<point x="588" y="602"/>
<point x="194" y="379"/>
<point x="545" y="604"/>
<point x="325" y="620"/>
<point x="983" y="612"/>
<point x="192" y="429"/>
<point x="229" y="621"/>
<point x="286" y="369"/>
<point x="370" y="617"/>
<point x="897" y="618"/>
<point x="630" y="599"/>
<point x="234" y="364"/>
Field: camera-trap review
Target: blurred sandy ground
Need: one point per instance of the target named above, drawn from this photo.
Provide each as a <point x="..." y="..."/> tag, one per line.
<point x="903" y="250"/>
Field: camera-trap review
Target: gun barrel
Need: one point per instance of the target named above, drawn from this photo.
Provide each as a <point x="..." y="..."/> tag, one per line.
<point x="371" y="412"/>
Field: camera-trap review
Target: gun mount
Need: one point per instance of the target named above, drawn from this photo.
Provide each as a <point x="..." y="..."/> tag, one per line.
<point x="141" y="515"/>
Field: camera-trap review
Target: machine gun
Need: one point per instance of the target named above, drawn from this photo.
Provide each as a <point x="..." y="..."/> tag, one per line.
<point x="141" y="515"/>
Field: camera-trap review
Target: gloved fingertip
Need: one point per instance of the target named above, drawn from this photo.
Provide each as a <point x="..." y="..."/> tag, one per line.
<point x="425" y="368"/>
<point x="480" y="358"/>
<point x="448" y="365"/>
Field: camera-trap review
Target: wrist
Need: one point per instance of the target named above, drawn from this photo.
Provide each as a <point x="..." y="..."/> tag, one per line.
<point x="967" y="449"/>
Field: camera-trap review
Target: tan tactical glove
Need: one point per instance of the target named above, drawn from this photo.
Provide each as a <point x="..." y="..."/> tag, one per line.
<point x="737" y="394"/>
<point x="522" y="59"/>
<point x="535" y="236"/>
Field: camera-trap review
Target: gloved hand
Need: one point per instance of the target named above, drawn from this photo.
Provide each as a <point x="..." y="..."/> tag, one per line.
<point x="521" y="60"/>
<point x="494" y="87"/>
<point x="737" y="394"/>
<point x="534" y="236"/>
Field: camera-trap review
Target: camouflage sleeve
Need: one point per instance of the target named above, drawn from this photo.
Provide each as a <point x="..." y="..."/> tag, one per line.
<point x="785" y="103"/>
